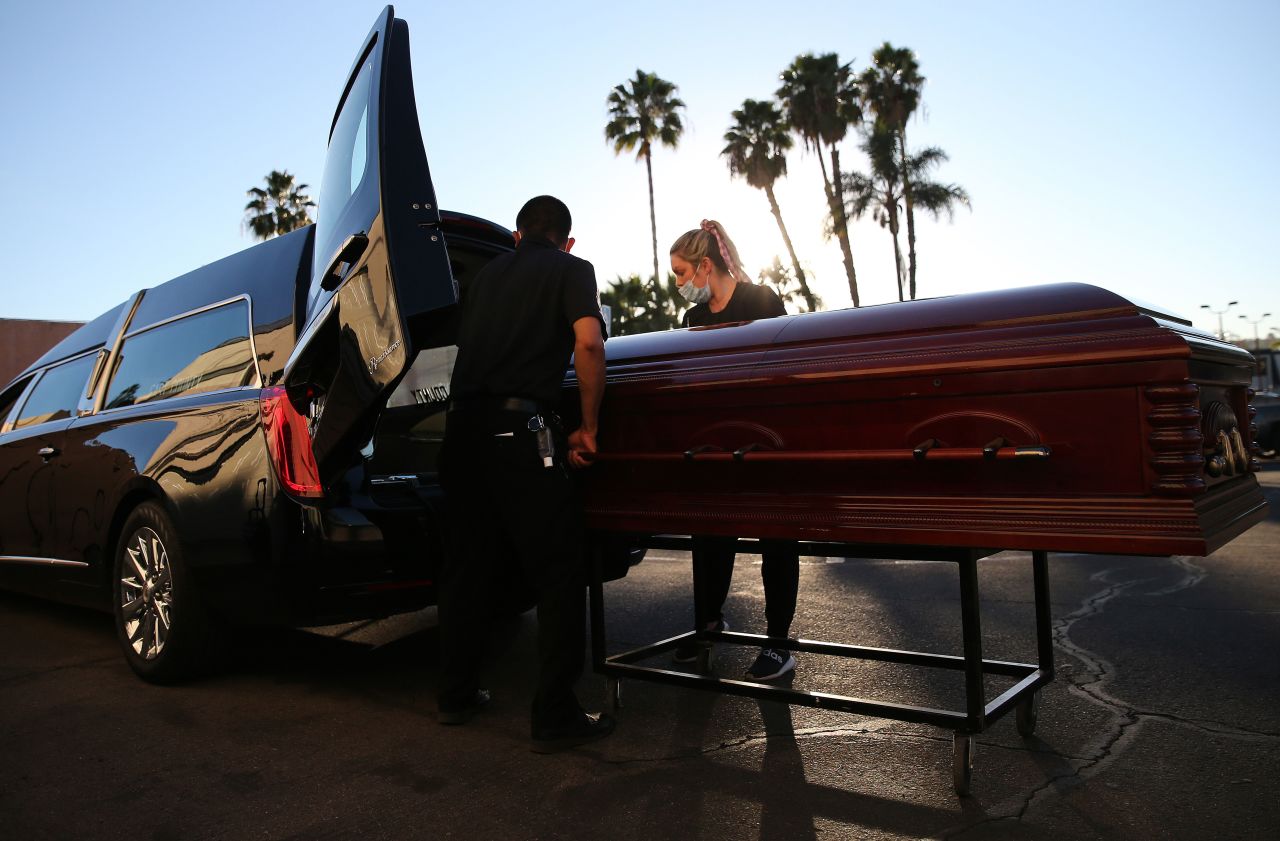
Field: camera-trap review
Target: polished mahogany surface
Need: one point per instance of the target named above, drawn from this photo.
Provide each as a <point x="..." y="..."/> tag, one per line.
<point x="1058" y="417"/>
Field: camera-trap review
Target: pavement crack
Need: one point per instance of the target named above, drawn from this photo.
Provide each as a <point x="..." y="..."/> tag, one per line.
<point x="1127" y="721"/>
<point x="1215" y="728"/>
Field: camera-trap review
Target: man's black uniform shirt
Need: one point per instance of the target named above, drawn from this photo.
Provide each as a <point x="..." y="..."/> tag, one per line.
<point x="515" y="335"/>
<point x="748" y="302"/>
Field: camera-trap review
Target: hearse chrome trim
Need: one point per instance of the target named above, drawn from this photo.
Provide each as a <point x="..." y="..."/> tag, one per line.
<point x="187" y="314"/>
<point x="102" y="374"/>
<point x="250" y="390"/>
<point x="57" y="562"/>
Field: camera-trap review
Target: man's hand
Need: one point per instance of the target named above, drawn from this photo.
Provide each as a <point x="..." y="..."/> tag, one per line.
<point x="581" y="441"/>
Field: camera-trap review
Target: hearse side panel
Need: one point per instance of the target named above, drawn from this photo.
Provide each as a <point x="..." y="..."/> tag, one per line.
<point x="206" y="457"/>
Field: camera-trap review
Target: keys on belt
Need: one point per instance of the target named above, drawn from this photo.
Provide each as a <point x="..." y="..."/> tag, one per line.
<point x="542" y="435"/>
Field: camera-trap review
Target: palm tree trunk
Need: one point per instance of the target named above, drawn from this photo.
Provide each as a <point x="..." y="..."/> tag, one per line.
<point x="897" y="252"/>
<point x="842" y="224"/>
<point x="826" y="182"/>
<point x="795" y="262"/>
<point x="653" y="225"/>
<point x="911" y="215"/>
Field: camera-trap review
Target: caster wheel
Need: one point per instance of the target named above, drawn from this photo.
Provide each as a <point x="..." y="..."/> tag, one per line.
<point x="1026" y="714"/>
<point x="962" y="763"/>
<point x="613" y="693"/>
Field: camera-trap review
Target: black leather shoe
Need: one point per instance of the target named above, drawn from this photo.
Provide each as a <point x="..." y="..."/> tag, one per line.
<point x="588" y="728"/>
<point x="451" y="711"/>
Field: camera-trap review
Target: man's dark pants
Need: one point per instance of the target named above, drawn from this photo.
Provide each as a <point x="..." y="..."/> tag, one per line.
<point x="501" y="499"/>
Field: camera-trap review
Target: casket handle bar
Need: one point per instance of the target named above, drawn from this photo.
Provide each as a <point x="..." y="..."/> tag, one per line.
<point x="695" y="451"/>
<point x="929" y="450"/>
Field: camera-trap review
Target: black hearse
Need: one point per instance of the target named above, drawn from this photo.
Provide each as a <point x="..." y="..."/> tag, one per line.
<point x="254" y="441"/>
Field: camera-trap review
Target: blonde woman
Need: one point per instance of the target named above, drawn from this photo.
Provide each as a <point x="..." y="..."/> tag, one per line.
<point x="709" y="275"/>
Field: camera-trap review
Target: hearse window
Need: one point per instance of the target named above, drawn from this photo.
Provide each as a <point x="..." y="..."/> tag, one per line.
<point x="57" y="394"/>
<point x="10" y="398"/>
<point x="207" y="351"/>
<point x="348" y="158"/>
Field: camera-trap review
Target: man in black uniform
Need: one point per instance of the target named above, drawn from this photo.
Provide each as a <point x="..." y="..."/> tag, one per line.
<point x="503" y="466"/>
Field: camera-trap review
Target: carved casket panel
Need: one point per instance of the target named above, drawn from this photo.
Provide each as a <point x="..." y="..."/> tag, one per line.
<point x="1057" y="417"/>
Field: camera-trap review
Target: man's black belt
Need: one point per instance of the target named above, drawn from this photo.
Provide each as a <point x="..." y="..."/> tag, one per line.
<point x="495" y="404"/>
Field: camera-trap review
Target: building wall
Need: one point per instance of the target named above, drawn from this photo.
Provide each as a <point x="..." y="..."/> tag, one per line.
<point x="23" y="341"/>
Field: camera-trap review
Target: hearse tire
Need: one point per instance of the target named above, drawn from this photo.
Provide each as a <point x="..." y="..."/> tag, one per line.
<point x="162" y="624"/>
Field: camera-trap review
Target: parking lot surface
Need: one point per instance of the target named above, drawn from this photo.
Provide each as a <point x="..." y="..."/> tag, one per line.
<point x="1163" y="722"/>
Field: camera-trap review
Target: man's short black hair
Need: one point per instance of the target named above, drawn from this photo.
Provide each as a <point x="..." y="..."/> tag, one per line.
<point x="545" y="216"/>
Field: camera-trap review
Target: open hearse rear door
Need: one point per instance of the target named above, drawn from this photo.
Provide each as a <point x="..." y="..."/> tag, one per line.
<point x="380" y="271"/>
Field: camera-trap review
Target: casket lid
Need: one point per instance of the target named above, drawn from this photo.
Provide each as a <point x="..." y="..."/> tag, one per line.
<point x="1022" y="307"/>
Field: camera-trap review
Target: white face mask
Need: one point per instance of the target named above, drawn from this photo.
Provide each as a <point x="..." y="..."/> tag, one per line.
<point x="695" y="294"/>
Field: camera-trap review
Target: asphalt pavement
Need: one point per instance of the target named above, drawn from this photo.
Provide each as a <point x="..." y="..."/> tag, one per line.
<point x="1163" y="722"/>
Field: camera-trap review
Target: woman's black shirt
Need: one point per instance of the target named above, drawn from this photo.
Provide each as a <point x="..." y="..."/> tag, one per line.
<point x="748" y="302"/>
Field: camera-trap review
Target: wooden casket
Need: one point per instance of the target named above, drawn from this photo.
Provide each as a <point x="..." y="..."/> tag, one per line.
<point x="1061" y="417"/>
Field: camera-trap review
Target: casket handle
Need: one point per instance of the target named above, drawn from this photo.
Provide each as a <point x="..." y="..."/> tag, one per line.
<point x="703" y="448"/>
<point x="921" y="450"/>
<point x="741" y="453"/>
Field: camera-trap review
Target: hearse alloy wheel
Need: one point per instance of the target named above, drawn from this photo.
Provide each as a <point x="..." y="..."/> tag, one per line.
<point x="161" y="621"/>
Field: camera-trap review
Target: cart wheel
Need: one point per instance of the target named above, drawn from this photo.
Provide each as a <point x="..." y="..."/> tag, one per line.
<point x="962" y="762"/>
<point x="1026" y="715"/>
<point x="613" y="693"/>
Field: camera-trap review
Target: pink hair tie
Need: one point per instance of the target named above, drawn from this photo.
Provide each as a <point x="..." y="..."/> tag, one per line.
<point x="711" y="228"/>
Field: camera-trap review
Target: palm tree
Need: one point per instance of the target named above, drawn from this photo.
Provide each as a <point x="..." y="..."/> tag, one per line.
<point x="884" y="190"/>
<point x="635" y="309"/>
<point x="892" y="90"/>
<point x="779" y="277"/>
<point x="935" y="197"/>
<point x="280" y="208"/>
<point x="821" y="103"/>
<point x="756" y="146"/>
<point x="641" y="111"/>
<point x="880" y="191"/>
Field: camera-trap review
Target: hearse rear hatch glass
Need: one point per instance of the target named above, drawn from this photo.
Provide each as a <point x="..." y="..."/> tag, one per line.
<point x="381" y="282"/>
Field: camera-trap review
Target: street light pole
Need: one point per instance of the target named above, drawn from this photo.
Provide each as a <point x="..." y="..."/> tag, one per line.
<point x="1255" y="323"/>
<point x="1221" y="333"/>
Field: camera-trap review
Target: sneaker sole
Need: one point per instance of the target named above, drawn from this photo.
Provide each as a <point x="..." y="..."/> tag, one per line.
<point x="787" y="670"/>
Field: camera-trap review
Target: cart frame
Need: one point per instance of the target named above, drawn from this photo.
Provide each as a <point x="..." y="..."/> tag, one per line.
<point x="978" y="713"/>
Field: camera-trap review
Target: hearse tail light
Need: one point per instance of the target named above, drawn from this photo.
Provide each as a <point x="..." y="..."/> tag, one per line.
<point x="289" y="442"/>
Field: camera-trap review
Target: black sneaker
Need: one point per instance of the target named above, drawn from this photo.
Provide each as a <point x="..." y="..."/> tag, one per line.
<point x="772" y="664"/>
<point x="588" y="728"/>
<point x="451" y="711"/>
<point x="688" y="651"/>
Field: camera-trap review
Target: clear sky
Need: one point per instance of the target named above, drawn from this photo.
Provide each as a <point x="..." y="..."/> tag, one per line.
<point x="1130" y="145"/>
